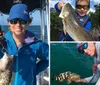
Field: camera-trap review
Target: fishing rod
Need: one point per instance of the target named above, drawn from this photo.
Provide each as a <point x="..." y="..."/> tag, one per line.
<point x="91" y="80"/>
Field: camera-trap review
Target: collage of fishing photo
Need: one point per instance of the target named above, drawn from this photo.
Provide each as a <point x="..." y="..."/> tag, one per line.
<point x="50" y="42"/>
<point x="75" y="46"/>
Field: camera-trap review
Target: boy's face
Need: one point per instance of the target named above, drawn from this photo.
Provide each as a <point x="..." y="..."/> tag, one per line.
<point x="88" y="49"/>
<point x="82" y="7"/>
<point x="91" y="50"/>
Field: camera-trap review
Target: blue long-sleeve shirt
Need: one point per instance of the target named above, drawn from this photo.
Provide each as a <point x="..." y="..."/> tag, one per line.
<point x="25" y="67"/>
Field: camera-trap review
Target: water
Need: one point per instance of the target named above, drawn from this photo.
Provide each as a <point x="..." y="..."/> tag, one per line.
<point x="36" y="29"/>
<point x="65" y="57"/>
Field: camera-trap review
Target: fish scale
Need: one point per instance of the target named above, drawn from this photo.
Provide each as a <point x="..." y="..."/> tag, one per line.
<point x="68" y="76"/>
<point x="5" y="69"/>
<point x="5" y="77"/>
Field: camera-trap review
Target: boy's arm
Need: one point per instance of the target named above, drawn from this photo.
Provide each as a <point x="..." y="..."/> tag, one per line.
<point x="89" y="80"/>
<point x="56" y="7"/>
<point x="59" y="5"/>
<point x="92" y="79"/>
<point x="95" y="76"/>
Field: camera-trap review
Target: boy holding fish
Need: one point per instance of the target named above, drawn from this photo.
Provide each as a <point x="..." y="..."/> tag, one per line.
<point x="82" y="7"/>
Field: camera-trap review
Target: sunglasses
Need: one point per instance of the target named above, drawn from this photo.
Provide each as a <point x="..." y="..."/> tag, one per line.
<point x="17" y="20"/>
<point x="85" y="7"/>
<point x="82" y="48"/>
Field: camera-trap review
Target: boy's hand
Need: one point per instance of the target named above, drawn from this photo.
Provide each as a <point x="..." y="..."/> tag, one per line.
<point x="80" y="80"/>
<point x="60" y="5"/>
<point x="94" y="68"/>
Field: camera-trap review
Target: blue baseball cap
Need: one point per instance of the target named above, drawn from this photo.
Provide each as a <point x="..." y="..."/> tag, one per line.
<point x="19" y="11"/>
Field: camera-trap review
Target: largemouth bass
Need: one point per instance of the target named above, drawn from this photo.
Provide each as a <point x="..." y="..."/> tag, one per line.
<point x="72" y="25"/>
<point x="68" y="76"/>
<point x="5" y="69"/>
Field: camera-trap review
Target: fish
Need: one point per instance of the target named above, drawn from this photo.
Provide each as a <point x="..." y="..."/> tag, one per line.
<point x="68" y="76"/>
<point x="5" y="69"/>
<point x="72" y="26"/>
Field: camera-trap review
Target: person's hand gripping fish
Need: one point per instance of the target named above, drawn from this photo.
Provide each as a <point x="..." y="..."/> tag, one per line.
<point x="94" y="68"/>
<point x="60" y="5"/>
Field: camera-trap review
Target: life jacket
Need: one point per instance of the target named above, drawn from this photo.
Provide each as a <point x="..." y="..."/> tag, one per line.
<point x="83" y="20"/>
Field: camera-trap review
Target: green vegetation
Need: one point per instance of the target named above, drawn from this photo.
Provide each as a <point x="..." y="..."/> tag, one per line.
<point x="95" y="17"/>
<point x="56" y="22"/>
<point x="55" y="25"/>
